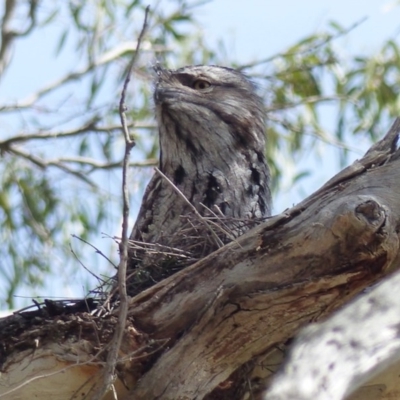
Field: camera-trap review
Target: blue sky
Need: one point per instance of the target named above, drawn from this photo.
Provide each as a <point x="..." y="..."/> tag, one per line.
<point x="251" y="29"/>
<point x="262" y="28"/>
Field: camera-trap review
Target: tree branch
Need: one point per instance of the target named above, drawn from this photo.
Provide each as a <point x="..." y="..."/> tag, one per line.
<point x="307" y="100"/>
<point x="328" y="139"/>
<point x="96" y="165"/>
<point x="321" y="43"/>
<point x="88" y="127"/>
<point x="43" y="164"/>
<point x="105" y="59"/>
<point x="8" y="35"/>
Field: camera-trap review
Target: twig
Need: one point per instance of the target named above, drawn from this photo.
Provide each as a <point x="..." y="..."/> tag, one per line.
<point x="324" y="138"/>
<point x="306" y="50"/>
<point x="96" y="165"/>
<point x="221" y="225"/>
<point x="112" y="357"/>
<point x="89" y="127"/>
<point x="281" y="74"/>
<point x="44" y="164"/>
<point x="8" y="35"/>
<point x="145" y="245"/>
<point x="201" y="218"/>
<point x="307" y="100"/>
<point x="96" y="249"/>
<point x="102" y="281"/>
<point x="106" y="58"/>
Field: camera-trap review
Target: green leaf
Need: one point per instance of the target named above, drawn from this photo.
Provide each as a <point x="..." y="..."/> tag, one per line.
<point x="61" y="42"/>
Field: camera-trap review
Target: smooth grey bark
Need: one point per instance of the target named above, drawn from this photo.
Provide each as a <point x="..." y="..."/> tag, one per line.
<point x="332" y="359"/>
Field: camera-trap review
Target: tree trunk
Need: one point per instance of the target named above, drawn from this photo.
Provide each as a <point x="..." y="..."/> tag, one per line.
<point x="208" y="330"/>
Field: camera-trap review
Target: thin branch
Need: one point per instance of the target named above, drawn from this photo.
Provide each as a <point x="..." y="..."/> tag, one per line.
<point x="328" y="139"/>
<point x="106" y="58"/>
<point x="88" y="127"/>
<point x="43" y="164"/>
<point x="96" y="249"/>
<point x="307" y="100"/>
<point x="220" y="218"/>
<point x="144" y="246"/>
<point x="83" y="161"/>
<point x="8" y="35"/>
<point x="101" y="281"/>
<point x="278" y="76"/>
<point x="199" y="216"/>
<point x="96" y="165"/>
<point x="112" y="357"/>
<point x="326" y="40"/>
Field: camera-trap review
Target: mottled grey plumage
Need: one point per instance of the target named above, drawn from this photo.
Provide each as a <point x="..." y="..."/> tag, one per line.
<point x="211" y="128"/>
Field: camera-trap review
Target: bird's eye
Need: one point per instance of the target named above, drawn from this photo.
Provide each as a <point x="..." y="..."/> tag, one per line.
<point x="201" y="84"/>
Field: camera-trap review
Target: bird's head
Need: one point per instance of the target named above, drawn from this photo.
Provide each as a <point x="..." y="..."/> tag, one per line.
<point x="202" y="109"/>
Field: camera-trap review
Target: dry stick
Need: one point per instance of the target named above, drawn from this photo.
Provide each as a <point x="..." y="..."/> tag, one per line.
<point x="112" y="357"/>
<point x="219" y="218"/>
<point x="201" y="218"/>
<point x="95" y="248"/>
<point x="145" y="246"/>
<point x="84" y="266"/>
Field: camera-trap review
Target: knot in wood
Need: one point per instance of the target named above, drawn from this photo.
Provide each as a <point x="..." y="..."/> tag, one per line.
<point x="371" y="211"/>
